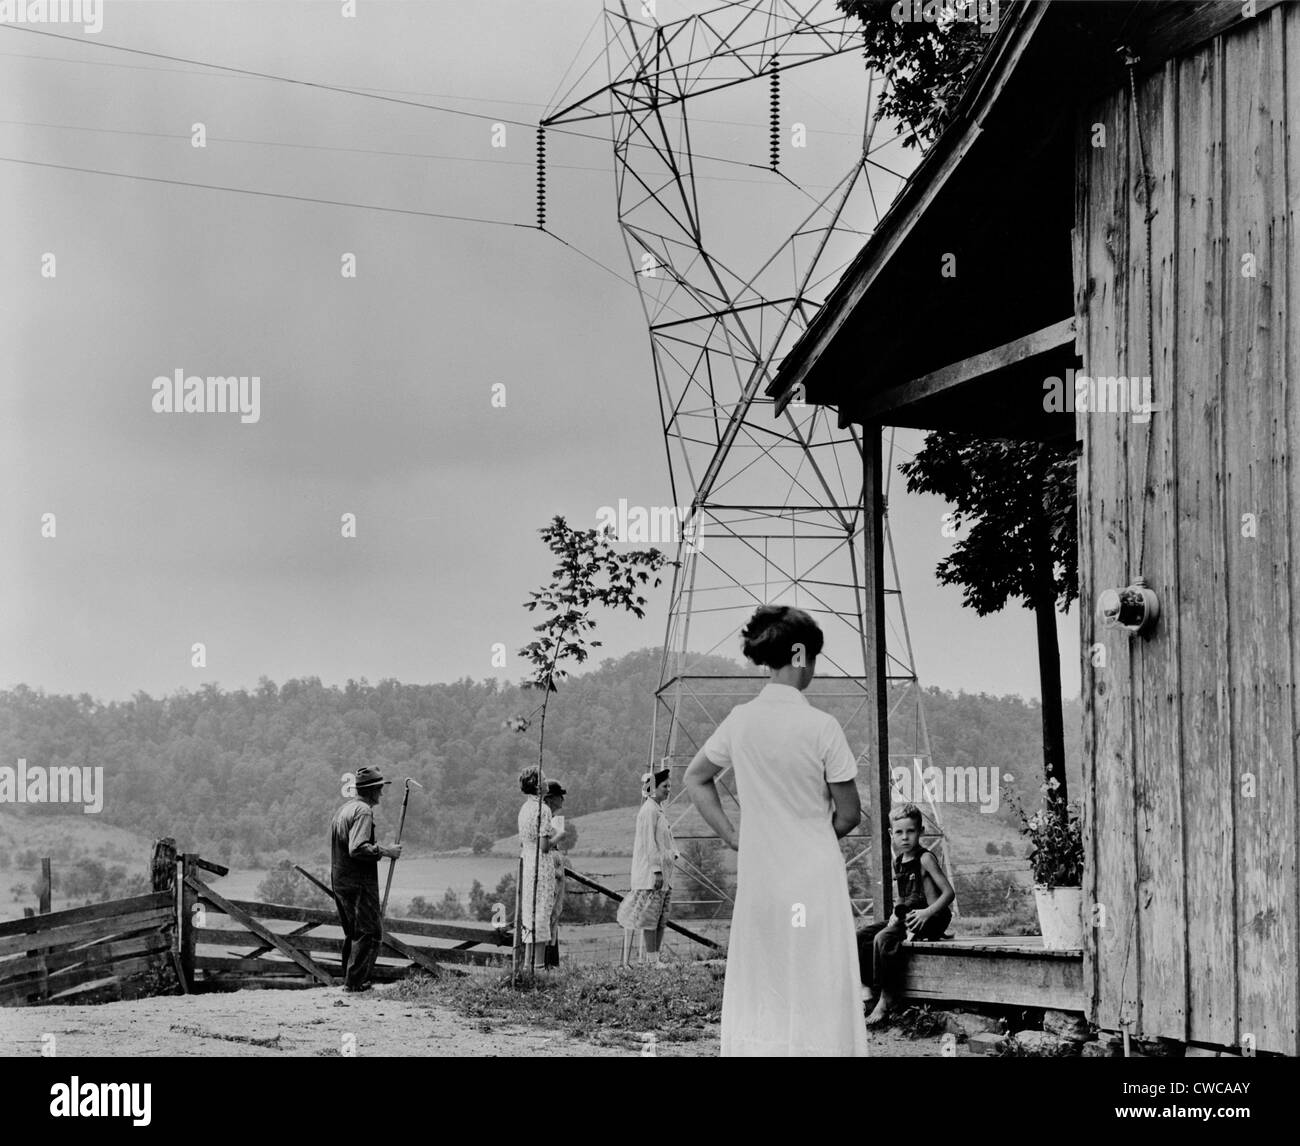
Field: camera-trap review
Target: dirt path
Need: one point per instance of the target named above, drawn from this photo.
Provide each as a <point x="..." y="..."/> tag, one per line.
<point x="297" y="1023"/>
<point x="276" y="1024"/>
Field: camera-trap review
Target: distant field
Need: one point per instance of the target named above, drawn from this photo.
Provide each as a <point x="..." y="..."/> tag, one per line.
<point x="78" y="835"/>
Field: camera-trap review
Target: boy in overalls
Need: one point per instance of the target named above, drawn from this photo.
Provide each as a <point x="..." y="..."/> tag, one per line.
<point x="921" y="908"/>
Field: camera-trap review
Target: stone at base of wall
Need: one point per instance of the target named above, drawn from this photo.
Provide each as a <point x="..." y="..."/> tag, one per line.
<point x="1039" y="1042"/>
<point x="987" y="1043"/>
<point x="961" y="1023"/>
<point x="1068" y="1025"/>
<point x="1101" y="1049"/>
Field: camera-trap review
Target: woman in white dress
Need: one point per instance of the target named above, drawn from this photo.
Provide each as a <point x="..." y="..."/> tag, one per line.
<point x="793" y="986"/>
<point x="534" y="927"/>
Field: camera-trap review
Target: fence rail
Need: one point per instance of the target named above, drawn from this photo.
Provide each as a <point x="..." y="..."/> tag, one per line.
<point x="64" y="953"/>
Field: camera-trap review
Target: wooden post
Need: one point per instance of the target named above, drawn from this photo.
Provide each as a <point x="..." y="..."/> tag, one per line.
<point x="187" y="898"/>
<point x="516" y="954"/>
<point x="44" y="892"/>
<point x="877" y="683"/>
<point x="46" y="886"/>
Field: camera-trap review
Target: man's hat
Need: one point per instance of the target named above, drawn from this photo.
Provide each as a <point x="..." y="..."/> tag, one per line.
<point x="370" y="778"/>
<point x="553" y="788"/>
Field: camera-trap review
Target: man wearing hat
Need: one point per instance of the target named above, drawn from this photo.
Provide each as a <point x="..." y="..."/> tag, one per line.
<point x="354" y="868"/>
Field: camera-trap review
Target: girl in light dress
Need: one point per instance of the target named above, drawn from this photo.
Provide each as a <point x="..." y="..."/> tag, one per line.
<point x="654" y="853"/>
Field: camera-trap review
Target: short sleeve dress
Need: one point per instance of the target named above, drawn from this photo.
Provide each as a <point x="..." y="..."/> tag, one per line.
<point x="793" y="985"/>
<point x="528" y="829"/>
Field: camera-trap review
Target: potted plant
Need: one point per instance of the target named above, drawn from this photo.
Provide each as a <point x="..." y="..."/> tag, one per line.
<point x="1055" y="834"/>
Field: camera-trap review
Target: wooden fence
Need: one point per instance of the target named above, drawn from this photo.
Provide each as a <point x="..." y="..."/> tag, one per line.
<point x="247" y="952"/>
<point x="64" y="954"/>
<point x="192" y="934"/>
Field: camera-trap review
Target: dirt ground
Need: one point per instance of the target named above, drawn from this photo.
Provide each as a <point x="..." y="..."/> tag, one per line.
<point x="277" y="1024"/>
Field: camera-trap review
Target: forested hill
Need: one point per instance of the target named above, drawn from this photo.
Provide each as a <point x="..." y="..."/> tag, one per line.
<point x="241" y="775"/>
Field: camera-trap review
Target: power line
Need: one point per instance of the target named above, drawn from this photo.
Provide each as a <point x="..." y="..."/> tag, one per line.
<point x="349" y="150"/>
<point x="270" y="76"/>
<point x="265" y="194"/>
<point x="405" y="91"/>
<point x="361" y="92"/>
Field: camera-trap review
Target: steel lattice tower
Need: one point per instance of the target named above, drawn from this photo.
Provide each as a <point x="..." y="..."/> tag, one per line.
<point x="776" y="506"/>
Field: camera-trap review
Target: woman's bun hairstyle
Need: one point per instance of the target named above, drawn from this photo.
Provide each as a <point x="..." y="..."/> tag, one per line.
<point x="528" y="781"/>
<point x="774" y="630"/>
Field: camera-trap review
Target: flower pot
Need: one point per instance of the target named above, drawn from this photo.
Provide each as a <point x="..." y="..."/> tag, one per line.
<point x="1060" y="917"/>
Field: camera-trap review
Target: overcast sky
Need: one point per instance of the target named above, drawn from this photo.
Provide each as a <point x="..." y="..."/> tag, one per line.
<point x="376" y="391"/>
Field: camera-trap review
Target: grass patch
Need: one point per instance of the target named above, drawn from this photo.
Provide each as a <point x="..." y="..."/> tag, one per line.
<point x="677" y="1004"/>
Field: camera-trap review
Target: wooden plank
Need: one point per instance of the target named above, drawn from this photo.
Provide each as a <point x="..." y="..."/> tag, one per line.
<point x="1290" y="375"/>
<point x="263" y="948"/>
<point x="1257" y="578"/>
<point x="238" y="937"/>
<point x="187" y="901"/>
<point x="69" y="982"/>
<point x="1107" y="271"/>
<point x="95" y="978"/>
<point x="1161" y="945"/>
<point x="84" y="932"/>
<point x="32" y="925"/>
<point x="46" y="888"/>
<point x="208" y="895"/>
<point x="461" y="931"/>
<point x="963" y="977"/>
<point x="958" y="374"/>
<point x="208" y="865"/>
<point x="57" y="980"/>
<point x="415" y="955"/>
<point x="1208" y="778"/>
<point x="99" y="954"/>
<point x="234" y="966"/>
<point x="1181" y="28"/>
<point x="422" y="955"/>
<point x="1083" y="291"/>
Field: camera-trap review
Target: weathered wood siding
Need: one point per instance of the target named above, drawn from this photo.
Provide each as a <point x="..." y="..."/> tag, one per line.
<point x="1190" y="732"/>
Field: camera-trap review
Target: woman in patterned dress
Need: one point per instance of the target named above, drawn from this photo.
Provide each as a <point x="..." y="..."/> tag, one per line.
<point x="535" y="924"/>
<point x="653" y="852"/>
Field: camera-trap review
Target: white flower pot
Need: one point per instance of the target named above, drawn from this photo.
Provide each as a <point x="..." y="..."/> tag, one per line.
<point x="1060" y="917"/>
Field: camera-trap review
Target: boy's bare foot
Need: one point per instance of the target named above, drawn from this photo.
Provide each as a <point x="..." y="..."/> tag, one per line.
<point x="879" y="1015"/>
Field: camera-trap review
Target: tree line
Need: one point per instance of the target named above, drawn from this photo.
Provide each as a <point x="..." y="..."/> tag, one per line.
<point x="241" y="775"/>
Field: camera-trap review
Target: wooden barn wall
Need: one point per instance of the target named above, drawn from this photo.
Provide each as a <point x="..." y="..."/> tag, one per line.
<point x="1190" y="736"/>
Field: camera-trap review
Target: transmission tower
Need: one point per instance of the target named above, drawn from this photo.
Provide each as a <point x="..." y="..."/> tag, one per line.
<point x="776" y="512"/>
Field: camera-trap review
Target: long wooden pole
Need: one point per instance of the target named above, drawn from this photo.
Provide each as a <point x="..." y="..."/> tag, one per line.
<point x="392" y="863"/>
<point x="586" y="881"/>
<point x="877" y="682"/>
